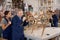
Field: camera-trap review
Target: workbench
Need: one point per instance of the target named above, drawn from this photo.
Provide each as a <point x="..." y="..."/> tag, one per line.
<point x="52" y="33"/>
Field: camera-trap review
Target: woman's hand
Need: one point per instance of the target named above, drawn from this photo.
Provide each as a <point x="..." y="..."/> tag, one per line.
<point x="9" y="22"/>
<point x="4" y="26"/>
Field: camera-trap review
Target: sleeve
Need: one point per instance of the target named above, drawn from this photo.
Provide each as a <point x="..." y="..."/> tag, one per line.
<point x="3" y="21"/>
<point x="25" y="23"/>
<point x="14" y="20"/>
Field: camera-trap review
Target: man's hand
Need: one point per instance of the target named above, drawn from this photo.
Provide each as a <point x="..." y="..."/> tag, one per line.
<point x="24" y="18"/>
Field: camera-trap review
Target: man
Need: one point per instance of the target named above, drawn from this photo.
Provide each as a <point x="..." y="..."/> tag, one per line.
<point x="55" y="19"/>
<point x="18" y="26"/>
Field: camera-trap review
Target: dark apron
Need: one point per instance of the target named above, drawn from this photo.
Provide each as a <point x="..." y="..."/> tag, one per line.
<point x="0" y="31"/>
<point x="7" y="32"/>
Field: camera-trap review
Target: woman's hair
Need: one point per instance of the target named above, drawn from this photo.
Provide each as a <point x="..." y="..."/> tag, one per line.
<point x="0" y="18"/>
<point x="6" y="13"/>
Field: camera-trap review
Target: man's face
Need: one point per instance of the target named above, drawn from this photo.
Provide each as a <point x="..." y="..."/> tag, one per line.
<point x="20" y="13"/>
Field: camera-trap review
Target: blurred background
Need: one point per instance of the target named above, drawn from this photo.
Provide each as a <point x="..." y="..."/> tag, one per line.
<point x="33" y="6"/>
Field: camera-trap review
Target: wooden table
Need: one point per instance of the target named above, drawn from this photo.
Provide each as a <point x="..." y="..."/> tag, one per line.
<point x="49" y="33"/>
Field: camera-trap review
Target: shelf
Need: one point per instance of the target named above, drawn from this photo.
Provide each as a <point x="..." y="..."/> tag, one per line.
<point x="46" y="3"/>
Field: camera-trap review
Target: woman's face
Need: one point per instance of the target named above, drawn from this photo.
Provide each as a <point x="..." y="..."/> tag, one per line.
<point x="9" y="14"/>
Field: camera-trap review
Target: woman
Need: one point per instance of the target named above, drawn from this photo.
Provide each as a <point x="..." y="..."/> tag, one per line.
<point x="6" y="25"/>
<point x="0" y="18"/>
<point x="0" y="25"/>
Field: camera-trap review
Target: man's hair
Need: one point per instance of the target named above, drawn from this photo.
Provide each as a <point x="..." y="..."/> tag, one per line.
<point x="20" y="10"/>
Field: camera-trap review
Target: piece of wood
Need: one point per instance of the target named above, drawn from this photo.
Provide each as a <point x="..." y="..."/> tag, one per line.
<point x="43" y="29"/>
